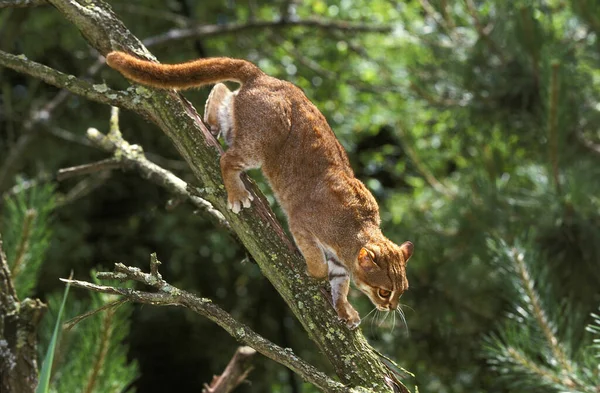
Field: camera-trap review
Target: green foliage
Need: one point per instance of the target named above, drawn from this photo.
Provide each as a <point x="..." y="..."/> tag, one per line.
<point x="26" y="223"/>
<point x="534" y="350"/>
<point x="92" y="356"/>
<point x="594" y="328"/>
<point x="470" y="120"/>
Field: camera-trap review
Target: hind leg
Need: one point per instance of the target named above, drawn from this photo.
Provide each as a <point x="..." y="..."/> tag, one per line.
<point x="233" y="163"/>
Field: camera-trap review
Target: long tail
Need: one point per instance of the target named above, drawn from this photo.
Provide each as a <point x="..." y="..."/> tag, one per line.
<point x="185" y="75"/>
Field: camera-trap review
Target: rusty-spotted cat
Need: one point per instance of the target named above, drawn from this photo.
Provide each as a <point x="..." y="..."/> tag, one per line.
<point x="269" y="123"/>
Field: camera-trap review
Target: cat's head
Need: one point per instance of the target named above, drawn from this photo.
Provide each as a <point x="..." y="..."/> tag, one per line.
<point x="380" y="272"/>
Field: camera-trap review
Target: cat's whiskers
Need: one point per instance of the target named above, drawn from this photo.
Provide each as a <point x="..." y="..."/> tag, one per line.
<point x="365" y="317"/>
<point x="401" y="313"/>
<point x="386" y="314"/>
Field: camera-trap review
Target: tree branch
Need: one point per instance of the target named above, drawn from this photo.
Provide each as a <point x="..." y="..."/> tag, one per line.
<point x="18" y="335"/>
<point x="235" y="373"/>
<point x="213" y="30"/>
<point x="99" y="93"/>
<point x="21" y="3"/>
<point x="132" y="157"/>
<point x="168" y="295"/>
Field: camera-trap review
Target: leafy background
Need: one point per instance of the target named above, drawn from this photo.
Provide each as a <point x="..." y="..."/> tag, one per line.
<point x="474" y="123"/>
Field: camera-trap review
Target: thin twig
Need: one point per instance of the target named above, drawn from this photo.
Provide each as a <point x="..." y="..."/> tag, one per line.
<point x="429" y="177"/>
<point x="132" y="156"/>
<point x="74" y="321"/>
<point x="234" y="28"/>
<point x="85" y="187"/>
<point x="102" y="165"/>
<point x="553" y="126"/>
<point x="484" y="33"/>
<point x="433" y="14"/>
<point x="168" y="295"/>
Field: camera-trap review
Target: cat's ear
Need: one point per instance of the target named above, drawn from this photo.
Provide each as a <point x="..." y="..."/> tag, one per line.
<point x="365" y="260"/>
<point x="407" y="249"/>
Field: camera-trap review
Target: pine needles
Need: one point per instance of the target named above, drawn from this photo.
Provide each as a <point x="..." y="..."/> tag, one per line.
<point x="533" y="350"/>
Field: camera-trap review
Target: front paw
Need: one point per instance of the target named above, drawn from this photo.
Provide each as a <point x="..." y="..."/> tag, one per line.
<point x="349" y="316"/>
<point x="238" y="200"/>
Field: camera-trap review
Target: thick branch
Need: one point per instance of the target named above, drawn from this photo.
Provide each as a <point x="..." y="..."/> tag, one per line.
<point x="99" y="93"/>
<point x="18" y="335"/>
<point x="168" y="295"/>
<point x="212" y="30"/>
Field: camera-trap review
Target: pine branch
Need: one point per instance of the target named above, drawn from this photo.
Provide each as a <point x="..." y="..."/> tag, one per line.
<point x="7" y="290"/>
<point x="168" y="295"/>
<point x="539" y="314"/>
<point x="103" y="345"/>
<point x="23" y="246"/>
<point x="547" y="376"/>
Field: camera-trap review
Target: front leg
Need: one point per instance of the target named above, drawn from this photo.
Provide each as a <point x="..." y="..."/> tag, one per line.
<point x="339" y="280"/>
<point x="316" y="265"/>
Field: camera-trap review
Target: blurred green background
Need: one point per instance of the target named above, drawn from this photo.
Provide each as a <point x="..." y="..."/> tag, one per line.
<point x="476" y="124"/>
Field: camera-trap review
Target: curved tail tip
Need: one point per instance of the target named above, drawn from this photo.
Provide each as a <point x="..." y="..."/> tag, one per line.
<point x="115" y="59"/>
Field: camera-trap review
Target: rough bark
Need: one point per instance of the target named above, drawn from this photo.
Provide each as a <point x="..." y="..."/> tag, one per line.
<point x="18" y="336"/>
<point x="355" y="362"/>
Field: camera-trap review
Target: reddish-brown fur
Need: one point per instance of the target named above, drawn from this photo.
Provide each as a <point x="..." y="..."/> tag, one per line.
<point x="333" y="217"/>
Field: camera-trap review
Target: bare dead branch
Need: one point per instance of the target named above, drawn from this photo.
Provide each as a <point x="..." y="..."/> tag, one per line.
<point x="235" y="373"/>
<point x="86" y="169"/>
<point x="168" y="295"/>
<point x="132" y="157"/>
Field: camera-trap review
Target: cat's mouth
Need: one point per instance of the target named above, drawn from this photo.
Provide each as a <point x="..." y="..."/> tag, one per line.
<point x="382" y="308"/>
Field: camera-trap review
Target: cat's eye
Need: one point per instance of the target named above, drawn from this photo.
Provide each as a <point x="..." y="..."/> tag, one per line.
<point x="384" y="293"/>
